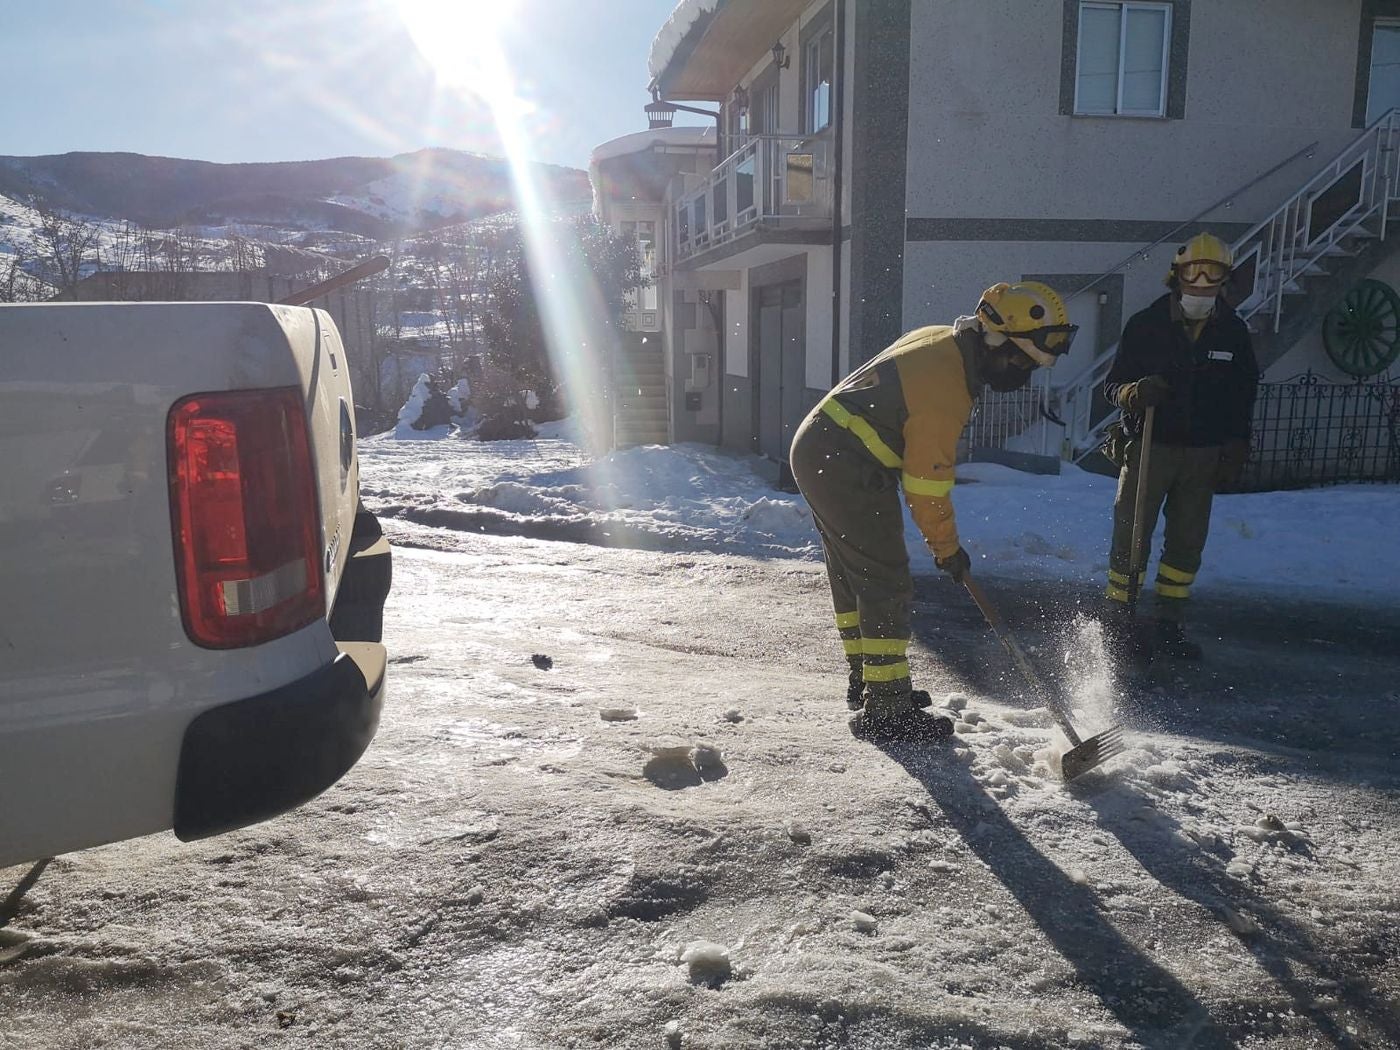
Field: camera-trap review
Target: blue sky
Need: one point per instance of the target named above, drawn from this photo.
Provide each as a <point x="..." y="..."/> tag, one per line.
<point x="269" y="80"/>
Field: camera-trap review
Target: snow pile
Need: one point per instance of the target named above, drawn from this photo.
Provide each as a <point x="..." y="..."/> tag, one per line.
<point x="661" y="497"/>
<point x="412" y="410"/>
<point x="686" y="14"/>
<point x="1334" y="541"/>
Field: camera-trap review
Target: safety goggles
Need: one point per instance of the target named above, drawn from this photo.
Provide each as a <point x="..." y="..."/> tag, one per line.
<point x="1043" y="339"/>
<point x="1203" y="273"/>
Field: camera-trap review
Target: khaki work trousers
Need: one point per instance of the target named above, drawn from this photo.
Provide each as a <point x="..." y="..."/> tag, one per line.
<point x="1180" y="485"/>
<point x="858" y="510"/>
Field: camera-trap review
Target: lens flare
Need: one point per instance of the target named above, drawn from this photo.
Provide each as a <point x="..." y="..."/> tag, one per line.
<point x="462" y="39"/>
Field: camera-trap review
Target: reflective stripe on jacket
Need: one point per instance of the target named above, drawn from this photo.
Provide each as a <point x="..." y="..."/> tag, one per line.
<point x="908" y="406"/>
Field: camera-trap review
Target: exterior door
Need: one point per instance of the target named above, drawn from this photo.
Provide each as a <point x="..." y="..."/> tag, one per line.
<point x="780" y="368"/>
<point x="763" y="106"/>
<point x="1384" y="91"/>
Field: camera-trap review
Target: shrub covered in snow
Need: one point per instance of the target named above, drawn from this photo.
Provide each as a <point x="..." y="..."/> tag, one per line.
<point x="427" y="407"/>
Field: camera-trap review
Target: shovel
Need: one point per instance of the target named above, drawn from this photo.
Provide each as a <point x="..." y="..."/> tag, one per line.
<point x="1142" y="644"/>
<point x="1083" y="755"/>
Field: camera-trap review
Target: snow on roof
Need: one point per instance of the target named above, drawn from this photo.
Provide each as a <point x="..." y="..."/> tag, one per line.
<point x="642" y="140"/>
<point x="683" y="19"/>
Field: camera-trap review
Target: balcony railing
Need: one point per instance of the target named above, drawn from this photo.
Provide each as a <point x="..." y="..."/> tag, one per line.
<point x="770" y="179"/>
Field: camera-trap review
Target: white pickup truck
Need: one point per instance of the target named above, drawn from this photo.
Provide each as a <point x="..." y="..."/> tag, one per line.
<point x="191" y="594"/>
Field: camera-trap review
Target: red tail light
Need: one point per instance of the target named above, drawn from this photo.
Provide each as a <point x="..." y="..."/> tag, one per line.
<point x="245" y="517"/>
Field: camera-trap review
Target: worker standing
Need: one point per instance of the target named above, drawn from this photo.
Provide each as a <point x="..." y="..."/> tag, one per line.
<point x="1189" y="355"/>
<point x="895" y="422"/>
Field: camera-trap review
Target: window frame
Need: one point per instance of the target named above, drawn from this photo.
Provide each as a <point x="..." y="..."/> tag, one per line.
<point x="1123" y="7"/>
<point x="811" y="65"/>
<point x="1388" y="22"/>
<point x="1372" y="12"/>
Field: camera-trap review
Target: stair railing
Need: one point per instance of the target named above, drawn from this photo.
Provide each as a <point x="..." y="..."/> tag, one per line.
<point x="1352" y="189"/>
<point x="1073" y="400"/>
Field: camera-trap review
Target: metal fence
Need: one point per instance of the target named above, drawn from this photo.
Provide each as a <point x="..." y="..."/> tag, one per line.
<point x="1311" y="432"/>
<point x="1014" y="422"/>
<point x="1307" y="431"/>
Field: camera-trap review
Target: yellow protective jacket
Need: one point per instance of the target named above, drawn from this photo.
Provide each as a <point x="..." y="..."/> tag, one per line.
<point x="909" y="406"/>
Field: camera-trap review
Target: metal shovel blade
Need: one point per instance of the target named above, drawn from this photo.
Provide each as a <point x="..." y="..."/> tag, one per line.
<point x="1092" y="752"/>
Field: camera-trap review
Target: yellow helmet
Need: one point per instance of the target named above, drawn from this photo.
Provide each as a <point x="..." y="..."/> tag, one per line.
<point x="1031" y="313"/>
<point x="1201" y="264"/>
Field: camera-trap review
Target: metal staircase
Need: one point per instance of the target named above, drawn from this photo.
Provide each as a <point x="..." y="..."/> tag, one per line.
<point x="1329" y="222"/>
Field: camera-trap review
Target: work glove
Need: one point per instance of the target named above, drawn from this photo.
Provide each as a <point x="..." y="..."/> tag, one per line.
<point x="1233" y="456"/>
<point x="1147" y="391"/>
<point x="955" y="565"/>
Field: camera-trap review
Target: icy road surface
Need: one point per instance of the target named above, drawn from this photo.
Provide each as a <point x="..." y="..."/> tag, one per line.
<point x="669" y="838"/>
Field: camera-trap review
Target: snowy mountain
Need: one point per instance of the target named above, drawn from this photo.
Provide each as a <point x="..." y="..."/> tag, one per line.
<point x="368" y="196"/>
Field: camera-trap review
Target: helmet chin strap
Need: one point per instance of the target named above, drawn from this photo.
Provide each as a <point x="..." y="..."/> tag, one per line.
<point x="1039" y="356"/>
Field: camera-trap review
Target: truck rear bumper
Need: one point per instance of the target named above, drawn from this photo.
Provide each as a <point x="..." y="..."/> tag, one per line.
<point x="251" y="759"/>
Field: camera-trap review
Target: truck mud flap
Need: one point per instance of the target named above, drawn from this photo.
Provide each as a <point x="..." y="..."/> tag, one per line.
<point x="252" y="759"/>
<point x="358" y="615"/>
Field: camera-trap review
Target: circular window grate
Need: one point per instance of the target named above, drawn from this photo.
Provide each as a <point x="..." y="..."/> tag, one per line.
<point x="1362" y="333"/>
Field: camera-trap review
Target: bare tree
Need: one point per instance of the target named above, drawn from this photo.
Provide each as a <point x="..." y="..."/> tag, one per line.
<point x="14" y="281"/>
<point x="181" y="253"/>
<point x="121" y="258"/>
<point x="67" y="245"/>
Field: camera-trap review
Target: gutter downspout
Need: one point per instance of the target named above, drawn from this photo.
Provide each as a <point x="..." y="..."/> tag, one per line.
<point x="837" y="186"/>
<point x="716" y="312"/>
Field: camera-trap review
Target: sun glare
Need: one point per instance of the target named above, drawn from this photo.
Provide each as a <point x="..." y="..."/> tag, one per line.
<point x="462" y="40"/>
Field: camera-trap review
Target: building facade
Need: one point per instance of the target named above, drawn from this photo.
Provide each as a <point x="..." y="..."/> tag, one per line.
<point x="878" y="163"/>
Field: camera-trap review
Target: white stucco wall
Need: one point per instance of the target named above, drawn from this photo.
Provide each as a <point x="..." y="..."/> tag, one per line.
<point x="1265" y="78"/>
<point x="943" y="279"/>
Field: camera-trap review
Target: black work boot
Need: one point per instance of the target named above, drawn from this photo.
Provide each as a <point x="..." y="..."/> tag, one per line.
<point x="1171" y="642"/>
<point x="855" y="697"/>
<point x="900" y="718"/>
<point x="855" y="686"/>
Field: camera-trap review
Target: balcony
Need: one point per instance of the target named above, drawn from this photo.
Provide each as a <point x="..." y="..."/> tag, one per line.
<point x="770" y="182"/>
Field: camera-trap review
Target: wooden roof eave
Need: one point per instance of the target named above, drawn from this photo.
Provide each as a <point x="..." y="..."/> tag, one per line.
<point x="723" y="49"/>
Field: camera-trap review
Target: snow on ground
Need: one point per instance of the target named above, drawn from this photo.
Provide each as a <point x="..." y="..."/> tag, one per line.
<point x="1330" y="541"/>
<point x="613" y="802"/>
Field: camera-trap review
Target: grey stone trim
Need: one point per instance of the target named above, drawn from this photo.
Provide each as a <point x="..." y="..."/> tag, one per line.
<point x="879" y="122"/>
<point x="1097" y="230"/>
<point x="761" y="234"/>
<point x="1178" y="56"/>
<point x="1370" y="11"/>
<point x="1028" y="462"/>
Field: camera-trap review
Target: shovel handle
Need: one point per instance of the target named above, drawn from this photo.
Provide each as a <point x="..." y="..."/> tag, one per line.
<point x="1136" y="561"/>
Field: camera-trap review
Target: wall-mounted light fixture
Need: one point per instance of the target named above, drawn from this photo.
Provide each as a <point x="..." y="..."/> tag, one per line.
<point x="740" y="98"/>
<point x="659" y="114"/>
<point x="780" y="57"/>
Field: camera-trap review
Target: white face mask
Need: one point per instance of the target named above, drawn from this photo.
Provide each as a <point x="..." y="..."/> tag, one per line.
<point x="1197" y="307"/>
